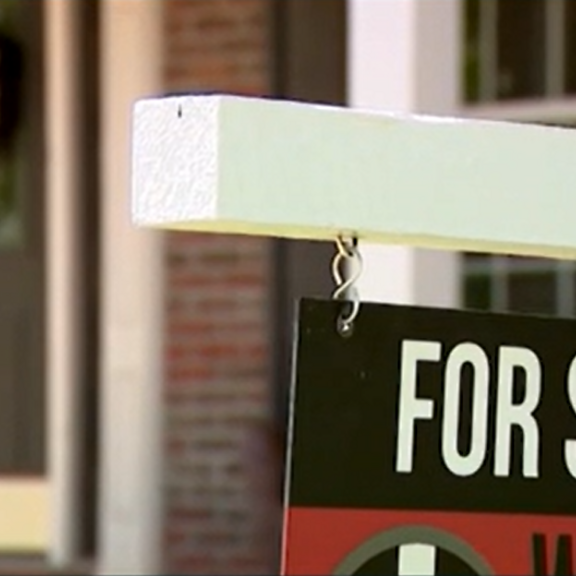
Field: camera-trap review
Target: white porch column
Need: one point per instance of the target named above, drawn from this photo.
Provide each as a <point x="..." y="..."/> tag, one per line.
<point x="64" y="353"/>
<point x="131" y="321"/>
<point x="403" y="55"/>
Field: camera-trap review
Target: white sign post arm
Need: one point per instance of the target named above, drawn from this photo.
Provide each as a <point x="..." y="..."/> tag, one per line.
<point x="263" y="167"/>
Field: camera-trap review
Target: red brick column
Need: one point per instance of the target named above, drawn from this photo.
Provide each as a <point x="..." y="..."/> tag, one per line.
<point x="221" y="489"/>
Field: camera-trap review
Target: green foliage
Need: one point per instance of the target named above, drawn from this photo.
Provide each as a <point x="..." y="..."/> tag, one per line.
<point x="7" y="188"/>
<point x="8" y="161"/>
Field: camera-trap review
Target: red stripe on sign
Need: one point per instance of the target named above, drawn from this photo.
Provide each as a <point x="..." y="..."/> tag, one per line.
<point x="316" y="540"/>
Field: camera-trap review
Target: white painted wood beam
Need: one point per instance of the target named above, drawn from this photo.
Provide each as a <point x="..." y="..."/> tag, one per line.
<point x="254" y="166"/>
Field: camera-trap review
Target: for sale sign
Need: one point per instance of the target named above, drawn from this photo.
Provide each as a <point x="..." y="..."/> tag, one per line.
<point x="432" y="442"/>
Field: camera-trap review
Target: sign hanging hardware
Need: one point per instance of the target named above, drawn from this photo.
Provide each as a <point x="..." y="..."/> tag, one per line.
<point x="346" y="270"/>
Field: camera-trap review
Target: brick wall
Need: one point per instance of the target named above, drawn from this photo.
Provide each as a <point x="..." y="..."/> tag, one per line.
<point x="222" y="496"/>
<point x="218" y="45"/>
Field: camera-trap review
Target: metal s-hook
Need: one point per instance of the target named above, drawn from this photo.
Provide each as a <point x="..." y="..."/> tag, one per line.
<point x="346" y="269"/>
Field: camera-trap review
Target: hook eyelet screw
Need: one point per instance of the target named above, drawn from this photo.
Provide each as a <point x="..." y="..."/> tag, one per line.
<point x="346" y="269"/>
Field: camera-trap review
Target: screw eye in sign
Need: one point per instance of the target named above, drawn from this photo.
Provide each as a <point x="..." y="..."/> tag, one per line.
<point x="431" y="442"/>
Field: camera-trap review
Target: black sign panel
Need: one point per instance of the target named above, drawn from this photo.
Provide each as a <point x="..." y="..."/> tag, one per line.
<point x="424" y="410"/>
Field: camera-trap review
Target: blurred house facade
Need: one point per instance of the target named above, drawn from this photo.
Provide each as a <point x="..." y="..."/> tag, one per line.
<point x="143" y="375"/>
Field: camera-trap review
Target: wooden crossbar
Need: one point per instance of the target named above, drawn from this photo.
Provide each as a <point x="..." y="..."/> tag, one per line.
<point x="278" y="168"/>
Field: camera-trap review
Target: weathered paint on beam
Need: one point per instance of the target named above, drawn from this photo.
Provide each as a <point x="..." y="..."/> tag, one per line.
<point x="277" y="168"/>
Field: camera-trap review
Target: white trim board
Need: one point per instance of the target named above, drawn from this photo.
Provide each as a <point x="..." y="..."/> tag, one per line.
<point x="550" y="110"/>
<point x="278" y="168"/>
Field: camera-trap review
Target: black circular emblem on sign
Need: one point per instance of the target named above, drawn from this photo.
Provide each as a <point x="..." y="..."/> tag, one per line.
<point x="410" y="550"/>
